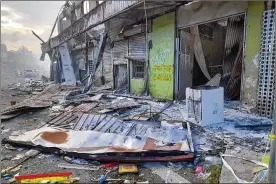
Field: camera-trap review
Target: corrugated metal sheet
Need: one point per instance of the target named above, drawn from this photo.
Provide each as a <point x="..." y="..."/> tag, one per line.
<point x="112" y="7"/>
<point x="96" y="16"/>
<point x="67" y="68"/>
<point x="84" y="107"/>
<point x="114" y="27"/>
<point x="204" y="11"/>
<point x="119" y="51"/>
<point x="137" y="46"/>
<point x="94" y="142"/>
<point x="110" y="124"/>
<point x="64" y="120"/>
<point x="44" y="99"/>
<point x="105" y="68"/>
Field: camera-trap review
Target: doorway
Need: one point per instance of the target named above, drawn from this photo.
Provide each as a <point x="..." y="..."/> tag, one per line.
<point x="211" y="54"/>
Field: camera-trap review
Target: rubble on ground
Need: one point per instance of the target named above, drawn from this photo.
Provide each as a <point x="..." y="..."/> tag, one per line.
<point x="121" y="129"/>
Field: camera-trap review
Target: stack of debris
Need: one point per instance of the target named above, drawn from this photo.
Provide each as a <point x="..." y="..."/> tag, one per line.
<point x="112" y="128"/>
<point x="46" y="98"/>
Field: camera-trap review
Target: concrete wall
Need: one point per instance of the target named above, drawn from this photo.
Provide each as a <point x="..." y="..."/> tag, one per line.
<point x="253" y="43"/>
<point x="161" y="57"/>
<point x="137" y="86"/>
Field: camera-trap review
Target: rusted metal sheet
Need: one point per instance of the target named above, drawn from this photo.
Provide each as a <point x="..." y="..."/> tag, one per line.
<point x="93" y="142"/>
<point x="111" y="124"/>
<point x="84" y="107"/>
<point x="119" y="157"/>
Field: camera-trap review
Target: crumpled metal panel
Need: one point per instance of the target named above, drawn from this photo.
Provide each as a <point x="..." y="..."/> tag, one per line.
<point x="44" y="99"/>
<point x="67" y="68"/>
<point x="266" y="90"/>
<point x="96" y="16"/>
<point x="94" y="142"/>
<point x="114" y="26"/>
<point x="110" y="124"/>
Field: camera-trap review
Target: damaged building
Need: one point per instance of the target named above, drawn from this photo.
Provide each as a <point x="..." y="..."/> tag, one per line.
<point x="188" y="85"/>
<point x="161" y="48"/>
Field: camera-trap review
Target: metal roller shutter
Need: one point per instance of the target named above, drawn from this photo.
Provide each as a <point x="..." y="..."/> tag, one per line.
<point x="137" y="46"/>
<point x="119" y="52"/>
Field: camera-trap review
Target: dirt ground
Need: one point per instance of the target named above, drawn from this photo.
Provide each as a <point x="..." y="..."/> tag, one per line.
<point x="49" y="163"/>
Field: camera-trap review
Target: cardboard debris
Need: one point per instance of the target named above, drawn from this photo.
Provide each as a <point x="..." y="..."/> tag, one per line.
<point x="128" y="168"/>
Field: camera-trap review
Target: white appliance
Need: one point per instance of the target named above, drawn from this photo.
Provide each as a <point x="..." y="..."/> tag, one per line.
<point x="205" y="104"/>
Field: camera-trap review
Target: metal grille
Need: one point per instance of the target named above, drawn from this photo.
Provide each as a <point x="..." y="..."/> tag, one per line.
<point x="138" y="69"/>
<point x="266" y="89"/>
<point x="206" y="32"/>
<point x="232" y="59"/>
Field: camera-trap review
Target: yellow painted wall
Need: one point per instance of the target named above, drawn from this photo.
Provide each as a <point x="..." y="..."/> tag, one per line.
<point x="253" y="44"/>
<point x="137" y="86"/>
<point x="161" y="57"/>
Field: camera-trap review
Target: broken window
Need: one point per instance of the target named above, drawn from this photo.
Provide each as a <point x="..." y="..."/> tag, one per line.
<point x="138" y="69"/>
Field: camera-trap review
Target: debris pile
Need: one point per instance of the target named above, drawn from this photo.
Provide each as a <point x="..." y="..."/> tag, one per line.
<point x="104" y="131"/>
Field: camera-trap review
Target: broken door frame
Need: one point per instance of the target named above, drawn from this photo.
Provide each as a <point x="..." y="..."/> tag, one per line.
<point x="177" y="60"/>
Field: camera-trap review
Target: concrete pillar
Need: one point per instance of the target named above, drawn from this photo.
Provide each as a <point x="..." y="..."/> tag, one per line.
<point x="251" y="60"/>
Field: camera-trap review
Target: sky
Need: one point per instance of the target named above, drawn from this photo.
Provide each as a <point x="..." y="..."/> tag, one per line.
<point x="18" y="18"/>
